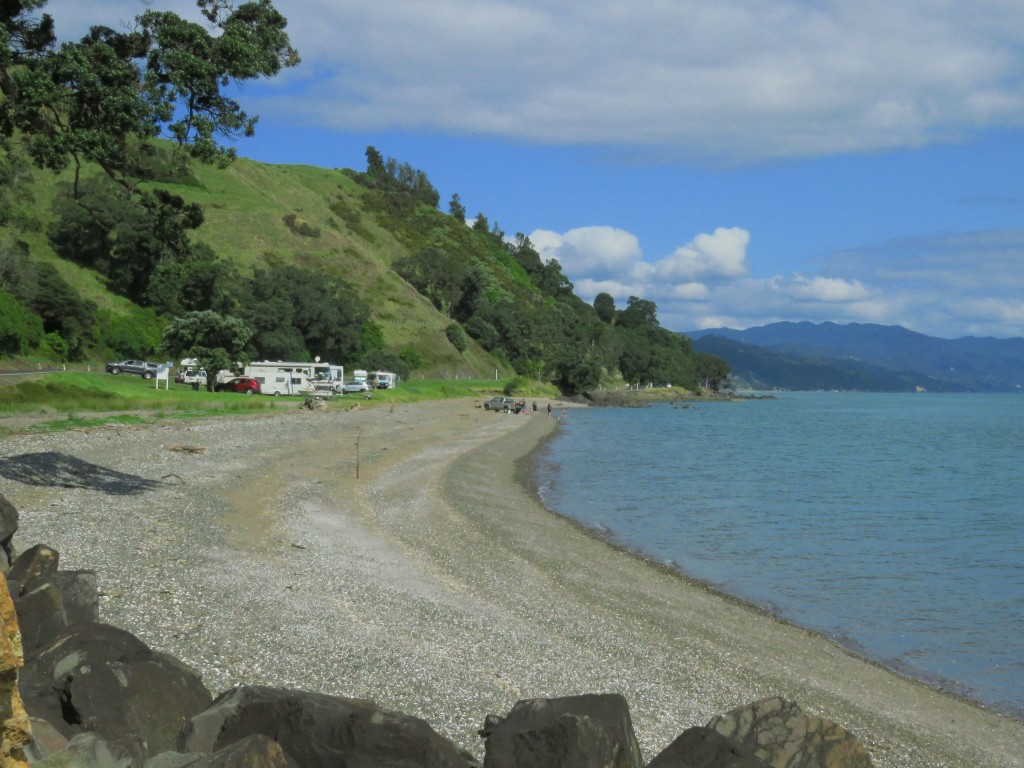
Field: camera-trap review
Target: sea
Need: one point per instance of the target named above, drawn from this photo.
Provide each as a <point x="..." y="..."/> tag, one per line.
<point x="891" y="523"/>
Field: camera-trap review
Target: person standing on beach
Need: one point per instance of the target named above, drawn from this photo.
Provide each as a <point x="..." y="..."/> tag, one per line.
<point x="549" y="410"/>
<point x="534" y="406"/>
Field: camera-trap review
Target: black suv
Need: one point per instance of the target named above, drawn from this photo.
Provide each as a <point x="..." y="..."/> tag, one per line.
<point x="138" y="367"/>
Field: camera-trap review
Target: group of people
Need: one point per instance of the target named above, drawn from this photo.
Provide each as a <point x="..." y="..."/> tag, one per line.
<point x="520" y="407"/>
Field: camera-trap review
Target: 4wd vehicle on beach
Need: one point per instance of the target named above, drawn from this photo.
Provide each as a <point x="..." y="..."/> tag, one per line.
<point x="503" y="404"/>
<point x="138" y="367"/>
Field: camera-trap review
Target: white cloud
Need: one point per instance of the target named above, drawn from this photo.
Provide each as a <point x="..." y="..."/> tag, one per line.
<point x="733" y="80"/>
<point x="718" y="255"/>
<point x="947" y="286"/>
<point x="826" y="289"/>
<point x="594" y="251"/>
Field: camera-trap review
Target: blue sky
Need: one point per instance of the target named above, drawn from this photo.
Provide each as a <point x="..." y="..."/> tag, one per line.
<point x="738" y="162"/>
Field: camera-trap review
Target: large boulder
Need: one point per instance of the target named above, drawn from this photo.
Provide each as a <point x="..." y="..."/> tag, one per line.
<point x="35" y="566"/>
<point x="80" y="595"/>
<point x="256" y="751"/>
<point x="42" y="616"/>
<point x="87" y="750"/>
<point x="8" y="527"/>
<point x="591" y="730"/>
<point x="779" y="732"/>
<point x="317" y="730"/>
<point x="95" y="677"/>
<point x="704" y="748"/>
<point x="15" y="731"/>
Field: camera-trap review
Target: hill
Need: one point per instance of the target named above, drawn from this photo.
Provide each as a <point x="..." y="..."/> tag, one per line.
<point x="804" y="355"/>
<point x="359" y="268"/>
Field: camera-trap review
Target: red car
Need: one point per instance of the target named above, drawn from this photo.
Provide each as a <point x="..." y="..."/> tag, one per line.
<point x="245" y="384"/>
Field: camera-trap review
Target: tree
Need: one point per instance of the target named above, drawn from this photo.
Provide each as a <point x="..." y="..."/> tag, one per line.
<point x="456" y="208"/>
<point x="457" y="337"/>
<point x="604" y="305"/>
<point x="638" y="313"/>
<point x="375" y="164"/>
<point x="217" y="341"/>
<point x="20" y="330"/>
<point x="106" y="97"/>
<point x="296" y="313"/>
<point x="712" y="371"/>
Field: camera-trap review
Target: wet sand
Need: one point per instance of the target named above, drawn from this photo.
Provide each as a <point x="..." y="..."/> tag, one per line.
<point x="435" y="582"/>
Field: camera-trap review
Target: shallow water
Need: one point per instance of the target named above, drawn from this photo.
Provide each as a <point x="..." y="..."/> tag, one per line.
<point x="893" y="523"/>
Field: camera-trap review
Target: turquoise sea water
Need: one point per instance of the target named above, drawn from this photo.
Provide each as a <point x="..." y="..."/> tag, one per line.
<point x="893" y="523"/>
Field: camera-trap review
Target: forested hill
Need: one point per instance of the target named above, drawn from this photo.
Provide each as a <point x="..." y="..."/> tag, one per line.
<point x="114" y="242"/>
<point x="866" y="357"/>
<point x="358" y="268"/>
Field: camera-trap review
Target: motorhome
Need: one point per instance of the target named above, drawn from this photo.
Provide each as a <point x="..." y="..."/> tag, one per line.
<point x="382" y="379"/>
<point x="278" y="377"/>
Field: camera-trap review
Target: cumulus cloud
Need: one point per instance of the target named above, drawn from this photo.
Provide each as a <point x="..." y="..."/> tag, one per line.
<point x="593" y="251"/>
<point x="721" y="254"/>
<point x="731" y="80"/>
<point x="947" y="286"/>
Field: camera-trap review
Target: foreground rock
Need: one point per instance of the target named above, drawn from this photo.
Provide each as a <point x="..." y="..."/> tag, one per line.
<point x="705" y="748"/>
<point x="101" y="679"/>
<point x="319" y="731"/>
<point x="779" y="733"/>
<point x="15" y="731"/>
<point x="589" y="730"/>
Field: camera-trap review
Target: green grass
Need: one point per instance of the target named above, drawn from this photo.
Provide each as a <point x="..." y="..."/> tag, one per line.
<point x="74" y="400"/>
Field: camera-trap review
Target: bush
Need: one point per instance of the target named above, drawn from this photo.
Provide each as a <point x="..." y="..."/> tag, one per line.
<point x="300" y="226"/>
<point x="457" y="337"/>
<point x="20" y="330"/>
<point x="513" y="386"/>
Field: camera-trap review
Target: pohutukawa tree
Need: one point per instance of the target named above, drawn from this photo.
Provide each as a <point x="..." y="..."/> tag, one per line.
<point x="104" y="98"/>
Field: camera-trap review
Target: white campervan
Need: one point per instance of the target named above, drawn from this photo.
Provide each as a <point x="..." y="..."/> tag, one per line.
<point x="281" y="378"/>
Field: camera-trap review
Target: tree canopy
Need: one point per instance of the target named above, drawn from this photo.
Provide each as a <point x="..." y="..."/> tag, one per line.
<point x="104" y="98"/>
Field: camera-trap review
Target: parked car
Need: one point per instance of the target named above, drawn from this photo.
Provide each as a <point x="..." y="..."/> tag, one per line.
<point x="355" y="386"/>
<point x="190" y="376"/>
<point x="245" y="384"/>
<point x="504" y="404"/>
<point x="137" y="367"/>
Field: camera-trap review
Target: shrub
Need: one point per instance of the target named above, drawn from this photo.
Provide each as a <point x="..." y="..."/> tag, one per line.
<point x="20" y="330"/>
<point x="457" y="337"/>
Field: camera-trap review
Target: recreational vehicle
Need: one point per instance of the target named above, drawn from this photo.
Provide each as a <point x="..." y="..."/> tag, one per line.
<point x="382" y="380"/>
<point x="279" y="377"/>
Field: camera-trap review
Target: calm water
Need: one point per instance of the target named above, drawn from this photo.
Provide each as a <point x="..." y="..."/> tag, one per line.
<point x="891" y="523"/>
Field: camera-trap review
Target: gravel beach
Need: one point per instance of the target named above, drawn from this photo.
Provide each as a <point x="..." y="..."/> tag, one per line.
<point x="434" y="583"/>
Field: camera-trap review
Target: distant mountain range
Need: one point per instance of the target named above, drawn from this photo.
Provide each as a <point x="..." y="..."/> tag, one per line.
<point x="867" y="357"/>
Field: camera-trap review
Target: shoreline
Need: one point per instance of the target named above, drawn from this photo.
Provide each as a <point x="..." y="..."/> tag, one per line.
<point x="437" y="584"/>
<point x="530" y="484"/>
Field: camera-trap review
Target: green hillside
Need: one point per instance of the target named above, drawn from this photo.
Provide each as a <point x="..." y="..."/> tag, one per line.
<point x="442" y="297"/>
<point x="117" y="243"/>
<point x="246" y="206"/>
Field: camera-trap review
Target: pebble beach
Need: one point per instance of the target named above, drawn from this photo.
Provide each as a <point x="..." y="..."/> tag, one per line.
<point x="401" y="554"/>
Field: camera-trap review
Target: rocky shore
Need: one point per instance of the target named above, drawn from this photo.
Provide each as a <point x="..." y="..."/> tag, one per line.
<point x="396" y="555"/>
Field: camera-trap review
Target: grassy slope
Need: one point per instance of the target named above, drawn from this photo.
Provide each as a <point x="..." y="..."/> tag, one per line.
<point x="245" y="206"/>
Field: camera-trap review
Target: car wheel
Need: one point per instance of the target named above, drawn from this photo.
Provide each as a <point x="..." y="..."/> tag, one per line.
<point x="115" y="370"/>
<point x="147" y="375"/>
<point x="249" y="391"/>
<point x="277" y="394"/>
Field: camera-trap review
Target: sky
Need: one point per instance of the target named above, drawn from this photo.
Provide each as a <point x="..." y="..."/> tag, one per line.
<point x="738" y="163"/>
